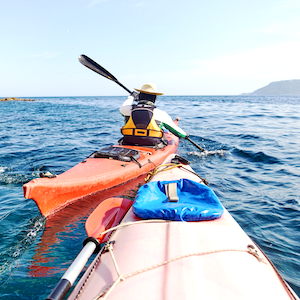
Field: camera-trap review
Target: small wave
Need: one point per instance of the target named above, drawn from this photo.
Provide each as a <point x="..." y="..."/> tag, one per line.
<point x="3" y="169"/>
<point x="29" y="234"/>
<point x="11" y="179"/>
<point x="9" y="257"/>
<point x="248" y="136"/>
<point x="208" y="145"/>
<point x="257" y="157"/>
<point x="17" y="207"/>
<point x="205" y="153"/>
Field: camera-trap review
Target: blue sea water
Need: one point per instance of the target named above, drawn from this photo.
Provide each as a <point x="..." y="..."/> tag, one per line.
<point x="252" y="163"/>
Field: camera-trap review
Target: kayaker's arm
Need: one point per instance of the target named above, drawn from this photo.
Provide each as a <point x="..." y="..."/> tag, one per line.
<point x="126" y="107"/>
<point x="180" y="133"/>
<point x="167" y="122"/>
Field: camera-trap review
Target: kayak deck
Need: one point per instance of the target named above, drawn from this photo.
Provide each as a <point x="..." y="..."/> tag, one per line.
<point x="182" y="260"/>
<point x="93" y="175"/>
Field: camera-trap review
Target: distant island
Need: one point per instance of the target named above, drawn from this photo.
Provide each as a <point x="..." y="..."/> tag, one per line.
<point x="16" y="99"/>
<point x="283" y="87"/>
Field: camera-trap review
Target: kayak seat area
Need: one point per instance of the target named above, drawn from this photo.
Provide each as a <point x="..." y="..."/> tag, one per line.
<point x="177" y="200"/>
<point x="118" y="153"/>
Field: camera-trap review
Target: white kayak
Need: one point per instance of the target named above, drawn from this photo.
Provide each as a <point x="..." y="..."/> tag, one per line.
<point x="165" y="259"/>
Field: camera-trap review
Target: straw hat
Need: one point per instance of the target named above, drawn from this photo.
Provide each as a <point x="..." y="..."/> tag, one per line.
<point x="149" y="88"/>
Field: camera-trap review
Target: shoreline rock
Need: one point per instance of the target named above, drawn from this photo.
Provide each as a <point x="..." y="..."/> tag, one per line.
<point x="16" y="99"/>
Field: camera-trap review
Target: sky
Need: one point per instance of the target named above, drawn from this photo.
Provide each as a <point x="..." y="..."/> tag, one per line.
<point x="191" y="47"/>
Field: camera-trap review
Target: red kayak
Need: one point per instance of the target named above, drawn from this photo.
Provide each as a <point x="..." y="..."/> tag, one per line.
<point x="104" y="169"/>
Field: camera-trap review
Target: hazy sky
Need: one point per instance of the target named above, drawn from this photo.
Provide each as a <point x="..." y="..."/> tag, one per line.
<point x="191" y="47"/>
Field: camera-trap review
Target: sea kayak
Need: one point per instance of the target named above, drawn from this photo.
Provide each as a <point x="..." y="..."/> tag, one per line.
<point x="104" y="169"/>
<point x="165" y="256"/>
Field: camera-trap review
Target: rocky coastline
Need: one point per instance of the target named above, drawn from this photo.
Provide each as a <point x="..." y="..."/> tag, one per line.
<point x="16" y="99"/>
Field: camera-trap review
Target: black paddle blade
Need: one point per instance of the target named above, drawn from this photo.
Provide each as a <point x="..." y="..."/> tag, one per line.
<point x="89" y="63"/>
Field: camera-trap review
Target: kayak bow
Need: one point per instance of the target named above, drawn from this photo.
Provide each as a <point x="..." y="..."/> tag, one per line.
<point x="107" y="168"/>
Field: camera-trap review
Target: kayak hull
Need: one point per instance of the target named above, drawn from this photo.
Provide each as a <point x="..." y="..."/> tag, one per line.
<point x="94" y="175"/>
<point x="182" y="260"/>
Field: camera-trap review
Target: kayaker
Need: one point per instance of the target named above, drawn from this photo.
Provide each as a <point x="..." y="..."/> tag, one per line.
<point x="144" y="122"/>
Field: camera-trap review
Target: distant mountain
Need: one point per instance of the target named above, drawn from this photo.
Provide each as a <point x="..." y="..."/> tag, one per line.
<point x="284" y="87"/>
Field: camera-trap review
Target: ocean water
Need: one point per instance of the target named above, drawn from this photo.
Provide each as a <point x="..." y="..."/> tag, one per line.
<point x="252" y="162"/>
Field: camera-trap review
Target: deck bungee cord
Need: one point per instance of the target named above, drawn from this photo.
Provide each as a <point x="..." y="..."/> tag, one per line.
<point x="109" y="247"/>
<point x="167" y="167"/>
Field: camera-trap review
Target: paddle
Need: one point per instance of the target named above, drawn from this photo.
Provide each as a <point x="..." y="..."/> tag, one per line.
<point x="89" y="63"/>
<point x="107" y="215"/>
<point x="197" y="146"/>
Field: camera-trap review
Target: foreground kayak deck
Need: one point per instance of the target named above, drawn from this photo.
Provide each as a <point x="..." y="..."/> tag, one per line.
<point x="216" y="260"/>
<point x="93" y="175"/>
<point x="181" y="260"/>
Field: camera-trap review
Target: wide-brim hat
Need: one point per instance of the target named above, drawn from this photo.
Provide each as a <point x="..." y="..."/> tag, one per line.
<point x="149" y="88"/>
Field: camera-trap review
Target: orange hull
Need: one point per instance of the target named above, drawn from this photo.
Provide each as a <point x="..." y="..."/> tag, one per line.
<point x="93" y="175"/>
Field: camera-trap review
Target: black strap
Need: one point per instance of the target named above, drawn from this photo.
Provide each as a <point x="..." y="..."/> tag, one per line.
<point x="133" y="159"/>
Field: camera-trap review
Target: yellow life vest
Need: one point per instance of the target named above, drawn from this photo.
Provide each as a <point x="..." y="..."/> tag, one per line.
<point x="141" y="123"/>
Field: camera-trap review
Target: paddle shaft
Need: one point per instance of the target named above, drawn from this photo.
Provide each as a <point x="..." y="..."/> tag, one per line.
<point x="68" y="279"/>
<point x="191" y="141"/>
<point x="89" y="63"/>
<point x="124" y="87"/>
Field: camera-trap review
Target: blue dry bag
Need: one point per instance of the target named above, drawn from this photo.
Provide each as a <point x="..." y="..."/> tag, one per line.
<point x="196" y="202"/>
